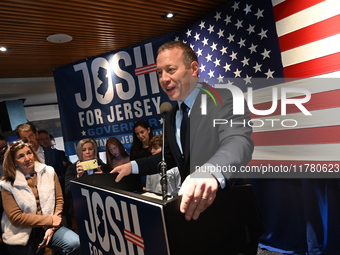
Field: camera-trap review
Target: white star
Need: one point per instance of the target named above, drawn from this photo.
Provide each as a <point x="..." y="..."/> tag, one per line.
<point x="259" y="13"/>
<point x="257" y="67"/>
<point x="269" y="74"/>
<point x="210" y="29"/>
<point x="226" y="67"/>
<point x="202" y="67"/>
<point x="235" y="6"/>
<point x="202" y="25"/>
<point x="233" y="55"/>
<point x="192" y="46"/>
<point x="248" y="79"/>
<point x="197" y="37"/>
<point x="217" y="62"/>
<point x="245" y="61"/>
<point x="247" y="9"/>
<point x="213" y="46"/>
<point x="230" y="38"/>
<point x="220" y="78"/>
<point x="252" y="48"/>
<point x="239" y="24"/>
<point x="199" y="52"/>
<point x="205" y="41"/>
<point x="161" y="121"/>
<point x="241" y="42"/>
<point x="211" y="73"/>
<point x="251" y="29"/>
<point x="217" y="16"/>
<point x="230" y="82"/>
<point x="263" y="33"/>
<point x="265" y="54"/>
<point x="176" y="38"/>
<point x="227" y="20"/>
<point x="220" y="33"/>
<point x="208" y="57"/>
<point x="83" y="133"/>
<point x="188" y="33"/>
<point x="237" y="73"/>
<point x="224" y="50"/>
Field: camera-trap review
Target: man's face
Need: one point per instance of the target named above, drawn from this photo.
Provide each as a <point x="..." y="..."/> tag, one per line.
<point x="30" y="137"/>
<point x="174" y="77"/>
<point x="45" y="140"/>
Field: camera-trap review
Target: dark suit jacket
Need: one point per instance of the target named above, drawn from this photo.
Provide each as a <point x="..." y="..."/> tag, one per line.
<point x="222" y="145"/>
<point x="53" y="158"/>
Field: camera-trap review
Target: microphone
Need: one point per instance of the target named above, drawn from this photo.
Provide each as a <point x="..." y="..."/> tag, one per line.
<point x="164" y="109"/>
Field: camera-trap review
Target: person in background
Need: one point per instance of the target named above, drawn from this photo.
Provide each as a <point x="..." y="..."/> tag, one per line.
<point x="173" y="177"/>
<point x="44" y="138"/>
<point x="115" y="153"/>
<point x="142" y="134"/>
<point x="47" y="140"/>
<point x="3" y="148"/>
<point x="33" y="202"/>
<point x="86" y="150"/>
<point x="28" y="132"/>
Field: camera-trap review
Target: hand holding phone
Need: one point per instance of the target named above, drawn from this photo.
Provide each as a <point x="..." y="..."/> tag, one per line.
<point x="40" y="246"/>
<point x="90" y="164"/>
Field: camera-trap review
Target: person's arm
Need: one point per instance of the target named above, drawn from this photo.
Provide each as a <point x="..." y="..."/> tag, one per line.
<point x="19" y="218"/>
<point x="233" y="147"/>
<point x="71" y="174"/>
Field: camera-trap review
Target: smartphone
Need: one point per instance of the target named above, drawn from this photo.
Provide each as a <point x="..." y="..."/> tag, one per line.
<point x="90" y="164"/>
<point x="40" y="246"/>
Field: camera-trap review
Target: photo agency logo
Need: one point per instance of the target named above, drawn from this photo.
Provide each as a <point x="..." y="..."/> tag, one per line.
<point x="280" y="100"/>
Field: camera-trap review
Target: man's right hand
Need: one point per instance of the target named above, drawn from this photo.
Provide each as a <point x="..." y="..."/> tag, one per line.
<point x="122" y="170"/>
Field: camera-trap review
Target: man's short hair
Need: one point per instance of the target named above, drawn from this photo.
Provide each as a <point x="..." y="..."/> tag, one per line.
<point x="24" y="128"/>
<point x="188" y="54"/>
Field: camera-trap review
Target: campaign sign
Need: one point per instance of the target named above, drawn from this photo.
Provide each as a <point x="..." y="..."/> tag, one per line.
<point x="105" y="95"/>
<point x="113" y="223"/>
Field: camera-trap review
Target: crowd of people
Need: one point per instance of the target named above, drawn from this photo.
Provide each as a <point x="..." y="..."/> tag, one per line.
<point x="23" y="162"/>
<point x="32" y="164"/>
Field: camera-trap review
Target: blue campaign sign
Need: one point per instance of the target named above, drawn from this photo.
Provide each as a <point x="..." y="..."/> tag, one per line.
<point x="113" y="223"/>
<point x="105" y="95"/>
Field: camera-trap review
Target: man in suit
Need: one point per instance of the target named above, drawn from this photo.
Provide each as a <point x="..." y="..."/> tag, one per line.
<point x="197" y="157"/>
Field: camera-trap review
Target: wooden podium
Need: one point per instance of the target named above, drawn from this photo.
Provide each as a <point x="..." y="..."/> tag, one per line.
<point x="118" y="218"/>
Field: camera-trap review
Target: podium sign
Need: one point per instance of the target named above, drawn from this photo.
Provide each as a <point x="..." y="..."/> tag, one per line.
<point x="112" y="219"/>
<point x="115" y="223"/>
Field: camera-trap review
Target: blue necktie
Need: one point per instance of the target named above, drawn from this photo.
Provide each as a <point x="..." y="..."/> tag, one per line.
<point x="184" y="125"/>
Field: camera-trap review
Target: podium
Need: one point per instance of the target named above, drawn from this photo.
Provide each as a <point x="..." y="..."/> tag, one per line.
<point x="118" y="218"/>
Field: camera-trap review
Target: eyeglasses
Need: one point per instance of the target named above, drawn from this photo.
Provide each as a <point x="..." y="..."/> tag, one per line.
<point x="18" y="143"/>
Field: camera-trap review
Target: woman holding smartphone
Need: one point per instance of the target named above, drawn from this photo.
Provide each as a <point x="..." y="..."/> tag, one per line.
<point x="33" y="203"/>
<point x="87" y="153"/>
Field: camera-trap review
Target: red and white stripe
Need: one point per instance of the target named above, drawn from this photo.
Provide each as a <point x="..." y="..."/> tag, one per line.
<point x="145" y="69"/>
<point x="309" y="38"/>
<point x="133" y="238"/>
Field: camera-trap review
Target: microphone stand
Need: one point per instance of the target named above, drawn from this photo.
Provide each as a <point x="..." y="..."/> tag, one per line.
<point x="164" y="179"/>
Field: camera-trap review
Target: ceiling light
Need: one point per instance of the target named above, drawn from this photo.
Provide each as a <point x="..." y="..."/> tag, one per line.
<point x="169" y="15"/>
<point x="59" y="38"/>
<point x="3" y="49"/>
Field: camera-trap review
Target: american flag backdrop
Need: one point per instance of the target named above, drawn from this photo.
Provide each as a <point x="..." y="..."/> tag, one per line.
<point x="296" y="39"/>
